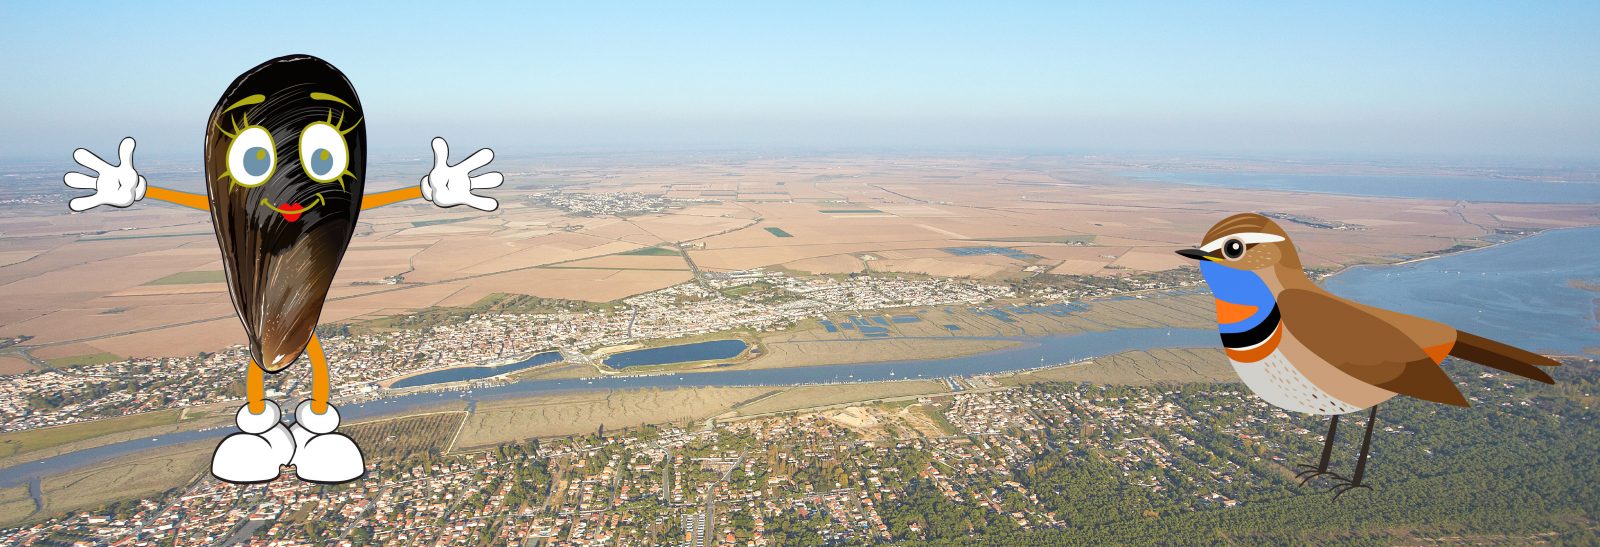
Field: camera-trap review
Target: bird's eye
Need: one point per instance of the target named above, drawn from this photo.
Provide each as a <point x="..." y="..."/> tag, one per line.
<point x="323" y="153"/>
<point x="252" y="157"/>
<point x="1233" y="249"/>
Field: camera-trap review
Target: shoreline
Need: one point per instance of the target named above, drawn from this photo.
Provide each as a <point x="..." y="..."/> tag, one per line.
<point x="1172" y="179"/>
<point x="1409" y="261"/>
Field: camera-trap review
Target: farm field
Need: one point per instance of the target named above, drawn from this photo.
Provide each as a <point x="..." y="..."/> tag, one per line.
<point x="819" y="215"/>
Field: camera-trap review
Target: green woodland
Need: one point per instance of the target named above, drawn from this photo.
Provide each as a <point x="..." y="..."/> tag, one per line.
<point x="1523" y="469"/>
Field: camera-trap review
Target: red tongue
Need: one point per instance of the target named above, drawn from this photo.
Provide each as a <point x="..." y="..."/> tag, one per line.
<point x="291" y="211"/>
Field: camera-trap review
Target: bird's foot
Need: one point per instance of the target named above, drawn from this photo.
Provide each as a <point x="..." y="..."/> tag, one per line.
<point x="1342" y="485"/>
<point x="255" y="453"/>
<point x="1308" y="472"/>
<point x="322" y="455"/>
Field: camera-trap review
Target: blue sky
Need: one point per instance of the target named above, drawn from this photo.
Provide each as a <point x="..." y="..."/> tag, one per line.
<point x="1502" y="79"/>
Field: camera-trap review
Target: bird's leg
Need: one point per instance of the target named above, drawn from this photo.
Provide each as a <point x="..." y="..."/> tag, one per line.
<point x="1366" y="446"/>
<point x="1308" y="472"/>
<point x="1361" y="461"/>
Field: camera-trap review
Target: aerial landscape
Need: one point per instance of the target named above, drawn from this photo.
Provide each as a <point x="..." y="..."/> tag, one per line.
<point x="946" y="293"/>
<point x="801" y="344"/>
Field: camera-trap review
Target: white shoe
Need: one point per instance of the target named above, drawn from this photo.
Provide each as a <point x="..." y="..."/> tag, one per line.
<point x="257" y="451"/>
<point x="320" y="454"/>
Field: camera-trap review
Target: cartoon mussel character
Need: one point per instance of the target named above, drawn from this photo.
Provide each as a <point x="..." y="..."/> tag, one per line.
<point x="285" y="165"/>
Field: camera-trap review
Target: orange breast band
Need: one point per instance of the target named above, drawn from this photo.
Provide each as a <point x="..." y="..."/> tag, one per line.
<point x="1259" y="352"/>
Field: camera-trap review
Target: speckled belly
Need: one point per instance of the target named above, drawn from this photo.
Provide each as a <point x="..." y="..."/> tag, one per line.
<point x="1277" y="382"/>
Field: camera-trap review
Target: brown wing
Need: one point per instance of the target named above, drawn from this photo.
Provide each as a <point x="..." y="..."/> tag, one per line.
<point x="1365" y="346"/>
<point x="1423" y="332"/>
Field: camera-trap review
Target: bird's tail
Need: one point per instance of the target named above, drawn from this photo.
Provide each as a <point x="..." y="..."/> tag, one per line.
<point x="1504" y="357"/>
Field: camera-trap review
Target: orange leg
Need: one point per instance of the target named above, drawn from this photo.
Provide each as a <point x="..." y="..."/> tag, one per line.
<point x="255" y="390"/>
<point x="319" y="376"/>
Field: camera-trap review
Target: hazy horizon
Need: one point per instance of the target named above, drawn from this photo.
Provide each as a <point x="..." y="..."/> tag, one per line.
<point x="1478" y="80"/>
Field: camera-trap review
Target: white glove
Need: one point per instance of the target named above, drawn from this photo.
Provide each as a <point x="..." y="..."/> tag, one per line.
<point x="114" y="185"/>
<point x="451" y="185"/>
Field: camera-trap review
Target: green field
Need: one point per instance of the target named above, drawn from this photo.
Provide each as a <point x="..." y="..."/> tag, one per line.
<point x="81" y="360"/>
<point x="20" y="442"/>
<point x="651" y="251"/>
<point x="421" y="223"/>
<point x="779" y="231"/>
<point x="150" y="236"/>
<point x="1079" y="239"/>
<point x="192" y="278"/>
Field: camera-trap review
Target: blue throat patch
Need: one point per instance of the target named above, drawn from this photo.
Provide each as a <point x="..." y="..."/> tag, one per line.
<point x="1238" y="287"/>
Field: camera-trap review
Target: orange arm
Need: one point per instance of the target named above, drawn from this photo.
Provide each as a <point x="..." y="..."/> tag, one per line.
<point x="381" y="199"/>
<point x="185" y="199"/>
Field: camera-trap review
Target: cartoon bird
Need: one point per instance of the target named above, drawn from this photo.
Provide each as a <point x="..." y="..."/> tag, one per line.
<point x="285" y="165"/>
<point x="1305" y="350"/>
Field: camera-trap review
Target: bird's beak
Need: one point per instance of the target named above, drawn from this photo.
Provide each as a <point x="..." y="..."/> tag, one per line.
<point x="1195" y="254"/>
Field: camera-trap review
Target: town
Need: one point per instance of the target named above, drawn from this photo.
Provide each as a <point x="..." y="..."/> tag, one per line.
<point x="1008" y="460"/>
<point x="361" y="362"/>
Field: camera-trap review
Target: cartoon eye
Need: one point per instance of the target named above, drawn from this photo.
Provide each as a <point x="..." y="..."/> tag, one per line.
<point x="251" y="157"/>
<point x="1233" y="249"/>
<point x="323" y="153"/>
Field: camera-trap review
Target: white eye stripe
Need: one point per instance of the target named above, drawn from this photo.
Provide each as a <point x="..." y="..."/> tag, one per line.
<point x="1247" y="238"/>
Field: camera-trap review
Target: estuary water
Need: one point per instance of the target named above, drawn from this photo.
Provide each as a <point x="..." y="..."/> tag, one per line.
<point x="1527" y="293"/>
<point x="1423" y="187"/>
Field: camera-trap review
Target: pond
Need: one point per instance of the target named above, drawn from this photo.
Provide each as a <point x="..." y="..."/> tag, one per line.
<point x="682" y="353"/>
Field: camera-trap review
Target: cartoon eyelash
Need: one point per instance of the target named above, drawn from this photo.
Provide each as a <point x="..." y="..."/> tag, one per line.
<point x="237" y="125"/>
<point x="340" y="180"/>
<point x="241" y="122"/>
<point x="339" y="126"/>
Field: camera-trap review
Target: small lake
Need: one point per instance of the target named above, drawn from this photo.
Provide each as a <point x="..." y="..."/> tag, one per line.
<point x="1423" y="187"/>
<point x="461" y="374"/>
<point x="681" y="353"/>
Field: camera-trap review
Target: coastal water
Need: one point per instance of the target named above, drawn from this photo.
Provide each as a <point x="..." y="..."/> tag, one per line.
<point x="1521" y="293"/>
<point x="1424" y="187"/>
<point x="681" y="353"/>
<point x="1525" y="293"/>
<point x="462" y="374"/>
